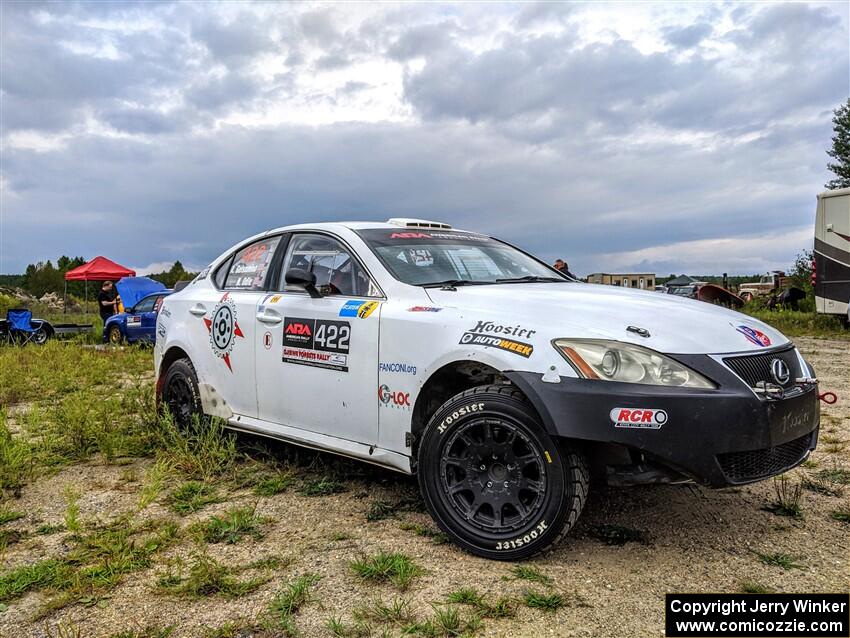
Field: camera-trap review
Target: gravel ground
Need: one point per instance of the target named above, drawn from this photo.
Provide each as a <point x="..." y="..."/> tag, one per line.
<point x="693" y="539"/>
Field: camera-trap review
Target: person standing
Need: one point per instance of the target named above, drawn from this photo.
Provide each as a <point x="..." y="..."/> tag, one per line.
<point x="106" y="300"/>
<point x="564" y="268"/>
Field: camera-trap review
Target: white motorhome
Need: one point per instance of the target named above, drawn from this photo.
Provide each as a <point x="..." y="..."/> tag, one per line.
<point x="832" y="252"/>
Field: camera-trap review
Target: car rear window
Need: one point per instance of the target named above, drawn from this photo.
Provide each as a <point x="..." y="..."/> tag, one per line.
<point x="250" y="266"/>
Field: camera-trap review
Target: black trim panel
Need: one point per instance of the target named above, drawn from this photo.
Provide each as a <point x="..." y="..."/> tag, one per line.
<point x="833" y="277"/>
<point x="699" y="424"/>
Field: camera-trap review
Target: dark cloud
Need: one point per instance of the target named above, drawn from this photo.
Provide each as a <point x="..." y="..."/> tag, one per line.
<point x="523" y="127"/>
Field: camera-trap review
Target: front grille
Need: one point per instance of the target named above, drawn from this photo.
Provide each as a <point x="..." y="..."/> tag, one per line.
<point x="740" y="467"/>
<point x="754" y="369"/>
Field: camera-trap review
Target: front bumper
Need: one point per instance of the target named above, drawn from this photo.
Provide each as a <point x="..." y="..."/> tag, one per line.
<point x="727" y="436"/>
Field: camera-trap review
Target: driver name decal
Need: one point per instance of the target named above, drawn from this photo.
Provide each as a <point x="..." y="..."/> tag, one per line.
<point x="223" y="329"/>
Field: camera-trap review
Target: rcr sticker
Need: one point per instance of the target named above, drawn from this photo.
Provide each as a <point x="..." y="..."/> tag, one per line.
<point x="454" y="416"/>
<point x="638" y="418"/>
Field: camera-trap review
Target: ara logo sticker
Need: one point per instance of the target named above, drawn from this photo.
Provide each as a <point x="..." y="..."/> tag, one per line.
<point x="223" y="329"/>
<point x="639" y="418"/>
<point x="754" y="336"/>
<point x="356" y="308"/>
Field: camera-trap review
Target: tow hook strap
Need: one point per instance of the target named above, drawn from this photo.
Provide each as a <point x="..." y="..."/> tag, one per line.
<point x="828" y="397"/>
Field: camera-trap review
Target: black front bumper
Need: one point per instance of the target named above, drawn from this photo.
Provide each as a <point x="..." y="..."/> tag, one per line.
<point x="727" y="436"/>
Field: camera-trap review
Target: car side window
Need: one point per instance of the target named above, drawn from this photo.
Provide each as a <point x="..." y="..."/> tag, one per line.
<point x="145" y="305"/>
<point x="337" y="271"/>
<point x="250" y="265"/>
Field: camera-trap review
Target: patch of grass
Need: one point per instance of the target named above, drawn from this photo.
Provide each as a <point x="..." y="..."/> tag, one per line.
<point x="788" y="498"/>
<point x="321" y="487"/>
<point x="529" y="573"/>
<point x="437" y="538"/>
<point x="396" y="611"/>
<point x="288" y="601"/>
<point x="96" y="563"/>
<point x="341" y="536"/>
<point x="841" y="514"/>
<point x="546" y="602"/>
<point x="835" y="474"/>
<point x="8" y="515"/>
<point x="396" y="568"/>
<point x="150" y="631"/>
<point x="46" y="529"/>
<point x="465" y="596"/>
<point x="208" y="577"/>
<point x="230" y="629"/>
<point x="822" y="486"/>
<point x="191" y="497"/>
<point x="231" y="527"/>
<point x="153" y="483"/>
<point x="618" y="534"/>
<point x="797" y="323"/>
<point x="72" y="509"/>
<point x="380" y="510"/>
<point x="445" y="622"/>
<point x="779" y="559"/>
<point x="269" y="562"/>
<point x="11" y="537"/>
<point x="272" y="485"/>
<point x="16" y="459"/>
<point x="203" y="451"/>
<point x="753" y="587"/>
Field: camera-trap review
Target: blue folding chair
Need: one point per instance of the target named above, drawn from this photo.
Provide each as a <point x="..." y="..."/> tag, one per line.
<point x="21" y="330"/>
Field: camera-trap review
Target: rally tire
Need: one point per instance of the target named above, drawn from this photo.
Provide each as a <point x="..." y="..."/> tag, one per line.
<point x="180" y="394"/>
<point x="494" y="480"/>
<point x="115" y="336"/>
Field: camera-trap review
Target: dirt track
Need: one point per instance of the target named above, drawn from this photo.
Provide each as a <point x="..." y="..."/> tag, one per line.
<point x="692" y="539"/>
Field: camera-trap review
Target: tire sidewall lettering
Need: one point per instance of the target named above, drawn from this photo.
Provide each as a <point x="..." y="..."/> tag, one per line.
<point x="465" y="410"/>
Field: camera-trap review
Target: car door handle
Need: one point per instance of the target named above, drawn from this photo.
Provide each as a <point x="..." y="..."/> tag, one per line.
<point x="269" y="317"/>
<point x="199" y="310"/>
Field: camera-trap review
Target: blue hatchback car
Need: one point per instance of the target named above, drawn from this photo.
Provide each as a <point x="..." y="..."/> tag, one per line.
<point x="137" y="323"/>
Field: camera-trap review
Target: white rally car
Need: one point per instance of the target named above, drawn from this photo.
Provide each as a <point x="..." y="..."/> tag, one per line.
<point x="501" y="383"/>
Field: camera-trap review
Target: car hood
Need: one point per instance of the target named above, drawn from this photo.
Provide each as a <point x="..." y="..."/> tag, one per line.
<point x="675" y="325"/>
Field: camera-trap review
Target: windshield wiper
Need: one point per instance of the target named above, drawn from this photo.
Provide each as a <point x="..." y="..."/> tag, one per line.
<point x="450" y="284"/>
<point x="519" y="280"/>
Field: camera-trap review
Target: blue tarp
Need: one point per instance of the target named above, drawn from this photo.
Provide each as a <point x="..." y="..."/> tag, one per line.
<point x="132" y="289"/>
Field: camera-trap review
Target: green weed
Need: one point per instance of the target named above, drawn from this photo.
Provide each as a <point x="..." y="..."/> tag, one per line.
<point x="8" y="515"/>
<point x="396" y="568"/>
<point x="208" y="577"/>
<point x="545" y="602"/>
<point x="529" y="573"/>
<point x="779" y="559"/>
<point x="191" y="497"/>
<point x="232" y="526"/>
<point x="321" y="487"/>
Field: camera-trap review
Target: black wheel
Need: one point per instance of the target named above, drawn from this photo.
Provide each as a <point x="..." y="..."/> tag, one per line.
<point x="180" y="393"/>
<point x="494" y="480"/>
<point x="41" y="336"/>
<point x="115" y="336"/>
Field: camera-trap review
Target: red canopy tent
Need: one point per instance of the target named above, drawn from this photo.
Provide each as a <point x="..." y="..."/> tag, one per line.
<point x="98" y="269"/>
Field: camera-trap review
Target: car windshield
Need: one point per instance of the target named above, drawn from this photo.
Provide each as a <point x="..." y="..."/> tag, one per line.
<point x="434" y="258"/>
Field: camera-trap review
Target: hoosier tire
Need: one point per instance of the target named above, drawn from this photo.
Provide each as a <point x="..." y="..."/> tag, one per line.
<point x="180" y="393"/>
<point x="494" y="480"/>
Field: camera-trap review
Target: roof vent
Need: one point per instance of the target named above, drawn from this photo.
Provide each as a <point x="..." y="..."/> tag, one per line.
<point x="405" y="222"/>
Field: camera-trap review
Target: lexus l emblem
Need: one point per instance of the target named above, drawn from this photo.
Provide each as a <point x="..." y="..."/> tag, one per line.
<point x="779" y="370"/>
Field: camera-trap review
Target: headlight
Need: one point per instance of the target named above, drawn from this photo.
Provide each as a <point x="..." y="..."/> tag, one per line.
<point x="617" y="361"/>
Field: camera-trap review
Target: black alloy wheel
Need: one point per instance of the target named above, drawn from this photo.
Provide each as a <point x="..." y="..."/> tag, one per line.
<point x="494" y="480"/>
<point x="180" y="393"/>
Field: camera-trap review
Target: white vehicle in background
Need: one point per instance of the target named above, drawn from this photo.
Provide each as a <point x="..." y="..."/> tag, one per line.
<point x="831" y="267"/>
<point x="496" y="380"/>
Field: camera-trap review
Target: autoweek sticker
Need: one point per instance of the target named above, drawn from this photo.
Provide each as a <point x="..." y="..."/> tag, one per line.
<point x="638" y="418"/>
<point x="488" y="333"/>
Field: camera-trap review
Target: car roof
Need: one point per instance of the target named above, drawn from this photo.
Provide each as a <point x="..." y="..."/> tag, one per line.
<point x="360" y="225"/>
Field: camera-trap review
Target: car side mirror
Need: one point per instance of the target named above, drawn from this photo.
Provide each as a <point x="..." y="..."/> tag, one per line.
<point x="303" y="279"/>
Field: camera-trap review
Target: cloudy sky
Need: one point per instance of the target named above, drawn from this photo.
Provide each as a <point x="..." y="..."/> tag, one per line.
<point x="665" y="138"/>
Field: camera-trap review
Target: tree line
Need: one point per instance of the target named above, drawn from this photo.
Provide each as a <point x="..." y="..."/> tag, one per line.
<point x="43" y="277"/>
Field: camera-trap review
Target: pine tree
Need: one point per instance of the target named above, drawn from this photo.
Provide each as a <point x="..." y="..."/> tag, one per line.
<point x="840" y="150"/>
